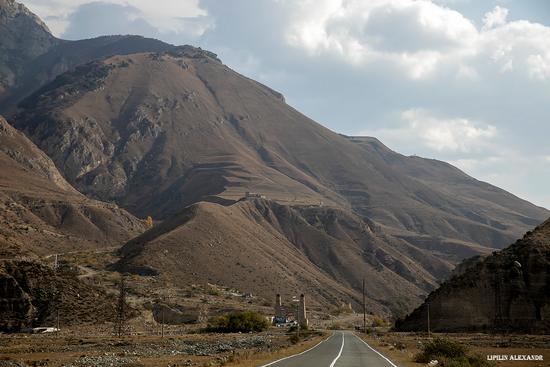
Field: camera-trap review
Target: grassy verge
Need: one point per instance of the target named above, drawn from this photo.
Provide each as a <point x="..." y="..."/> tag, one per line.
<point x="400" y="356"/>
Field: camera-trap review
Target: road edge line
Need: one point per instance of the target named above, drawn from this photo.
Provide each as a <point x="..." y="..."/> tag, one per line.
<point x="341" y="349"/>
<point x="375" y="351"/>
<point x="298" y="354"/>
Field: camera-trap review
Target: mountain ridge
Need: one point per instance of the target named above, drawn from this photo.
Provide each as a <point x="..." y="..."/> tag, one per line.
<point x="173" y="133"/>
<point x="42" y="213"/>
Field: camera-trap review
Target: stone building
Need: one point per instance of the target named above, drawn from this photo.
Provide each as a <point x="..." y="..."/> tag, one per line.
<point x="297" y="312"/>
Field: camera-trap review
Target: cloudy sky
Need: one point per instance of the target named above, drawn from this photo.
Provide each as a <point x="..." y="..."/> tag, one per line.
<point x="465" y="81"/>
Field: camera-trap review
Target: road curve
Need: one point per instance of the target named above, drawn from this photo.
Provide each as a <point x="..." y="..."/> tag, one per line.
<point x="341" y="349"/>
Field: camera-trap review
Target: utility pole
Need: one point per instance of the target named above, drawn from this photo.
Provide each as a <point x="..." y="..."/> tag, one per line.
<point x="58" y="296"/>
<point x="429" y="333"/>
<point x="364" y="310"/>
<point x="121" y="308"/>
<point x="162" y="318"/>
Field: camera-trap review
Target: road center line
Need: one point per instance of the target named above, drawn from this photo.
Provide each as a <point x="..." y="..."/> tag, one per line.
<point x="375" y="351"/>
<point x="299" y="354"/>
<point x="340" y="353"/>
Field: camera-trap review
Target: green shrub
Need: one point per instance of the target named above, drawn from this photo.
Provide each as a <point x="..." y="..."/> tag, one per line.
<point x="239" y="321"/>
<point x="213" y="291"/>
<point x="441" y="348"/>
<point x="378" y="322"/>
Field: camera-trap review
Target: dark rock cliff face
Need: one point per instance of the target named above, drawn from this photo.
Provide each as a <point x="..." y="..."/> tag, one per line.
<point x="31" y="295"/>
<point x="507" y="291"/>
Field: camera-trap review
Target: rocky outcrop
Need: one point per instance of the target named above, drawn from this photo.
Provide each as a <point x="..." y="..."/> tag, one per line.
<point x="41" y="213"/>
<point x="507" y="291"/>
<point x="23" y="37"/>
<point x="177" y="315"/>
<point x="33" y="295"/>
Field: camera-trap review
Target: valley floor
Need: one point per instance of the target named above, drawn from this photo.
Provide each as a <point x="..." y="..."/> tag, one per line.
<point x="68" y="349"/>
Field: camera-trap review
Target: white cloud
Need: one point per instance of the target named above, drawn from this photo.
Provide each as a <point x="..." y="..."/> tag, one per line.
<point x="496" y="17"/>
<point x="525" y="176"/>
<point x="419" y="38"/>
<point x="520" y="44"/>
<point x="416" y="36"/>
<point x="163" y="14"/>
<point x="450" y="135"/>
<point x="539" y="66"/>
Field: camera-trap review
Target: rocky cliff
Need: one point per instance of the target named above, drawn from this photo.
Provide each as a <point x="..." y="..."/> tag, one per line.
<point x="41" y="214"/>
<point x="507" y="291"/>
<point x="23" y="37"/>
<point x="33" y="295"/>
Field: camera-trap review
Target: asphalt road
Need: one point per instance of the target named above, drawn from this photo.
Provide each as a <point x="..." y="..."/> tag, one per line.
<point x="341" y="349"/>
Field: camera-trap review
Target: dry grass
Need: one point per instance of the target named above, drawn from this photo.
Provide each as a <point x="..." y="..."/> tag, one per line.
<point x="253" y="360"/>
<point x="401" y="348"/>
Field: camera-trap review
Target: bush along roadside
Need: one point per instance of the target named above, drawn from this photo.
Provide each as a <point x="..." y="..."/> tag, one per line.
<point x="447" y="353"/>
<point x="238" y="322"/>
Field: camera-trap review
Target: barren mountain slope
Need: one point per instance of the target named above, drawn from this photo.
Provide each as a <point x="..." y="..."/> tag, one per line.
<point x="157" y="132"/>
<point x="40" y="213"/>
<point x="31" y="56"/>
<point x="263" y="247"/>
<point x="65" y="56"/>
<point x="509" y="290"/>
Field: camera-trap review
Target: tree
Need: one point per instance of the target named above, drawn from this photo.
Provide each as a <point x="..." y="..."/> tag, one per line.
<point x="149" y="222"/>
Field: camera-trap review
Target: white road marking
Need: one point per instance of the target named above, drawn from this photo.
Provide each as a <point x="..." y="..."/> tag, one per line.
<point x="299" y="354"/>
<point x="340" y="353"/>
<point x="375" y="351"/>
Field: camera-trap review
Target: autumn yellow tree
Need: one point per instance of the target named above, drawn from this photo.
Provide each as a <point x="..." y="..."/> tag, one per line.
<point x="148" y="222"/>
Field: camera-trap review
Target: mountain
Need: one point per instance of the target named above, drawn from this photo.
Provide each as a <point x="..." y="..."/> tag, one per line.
<point x="42" y="214"/>
<point x="31" y="56"/>
<point x="156" y="132"/>
<point x="507" y="291"/>
<point x="264" y="247"/>
<point x="23" y="37"/>
<point x="174" y="133"/>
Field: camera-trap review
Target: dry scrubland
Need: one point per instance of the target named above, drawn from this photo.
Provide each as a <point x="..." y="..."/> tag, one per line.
<point x="182" y="345"/>
<point x="403" y="347"/>
<point x="68" y="349"/>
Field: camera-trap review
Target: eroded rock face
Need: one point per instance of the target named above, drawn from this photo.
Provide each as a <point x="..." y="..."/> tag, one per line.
<point x="42" y="213"/>
<point x="177" y="315"/>
<point x="32" y="294"/>
<point x="509" y="290"/>
<point x="15" y="305"/>
<point x="23" y="36"/>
